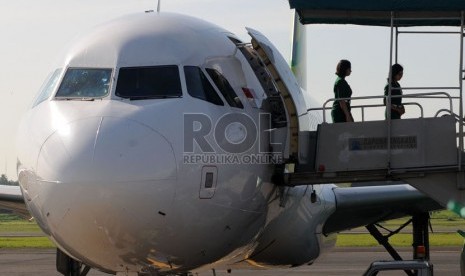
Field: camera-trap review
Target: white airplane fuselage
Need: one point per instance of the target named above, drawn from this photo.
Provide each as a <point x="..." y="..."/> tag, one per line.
<point x="109" y="179"/>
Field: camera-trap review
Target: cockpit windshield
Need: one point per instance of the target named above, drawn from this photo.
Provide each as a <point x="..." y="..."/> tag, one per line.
<point x="154" y="82"/>
<point x="84" y="83"/>
<point x="48" y="87"/>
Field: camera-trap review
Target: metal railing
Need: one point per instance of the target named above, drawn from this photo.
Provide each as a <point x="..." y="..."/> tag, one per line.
<point x="460" y="33"/>
<point x="456" y="99"/>
<point x="445" y="95"/>
<point x="363" y="107"/>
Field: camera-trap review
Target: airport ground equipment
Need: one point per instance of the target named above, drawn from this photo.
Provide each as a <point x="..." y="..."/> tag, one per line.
<point x="426" y="152"/>
<point x="420" y="267"/>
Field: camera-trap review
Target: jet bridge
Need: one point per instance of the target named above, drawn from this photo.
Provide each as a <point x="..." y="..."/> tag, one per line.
<point x="424" y="152"/>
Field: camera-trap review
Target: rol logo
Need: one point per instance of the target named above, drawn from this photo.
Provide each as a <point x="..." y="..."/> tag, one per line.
<point x="232" y="138"/>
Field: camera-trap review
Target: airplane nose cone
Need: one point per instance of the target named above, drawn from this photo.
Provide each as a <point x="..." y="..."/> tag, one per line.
<point x="105" y="149"/>
<point x="113" y="179"/>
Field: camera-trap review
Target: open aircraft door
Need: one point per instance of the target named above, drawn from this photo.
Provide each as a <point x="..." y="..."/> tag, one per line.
<point x="288" y="88"/>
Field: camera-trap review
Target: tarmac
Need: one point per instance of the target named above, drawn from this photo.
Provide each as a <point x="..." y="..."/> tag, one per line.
<point x="341" y="261"/>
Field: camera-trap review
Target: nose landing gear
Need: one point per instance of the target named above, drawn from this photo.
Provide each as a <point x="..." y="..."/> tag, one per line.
<point x="69" y="266"/>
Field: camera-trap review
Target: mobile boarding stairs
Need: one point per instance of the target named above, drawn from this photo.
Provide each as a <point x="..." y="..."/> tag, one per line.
<point x="422" y="152"/>
<point x="425" y="152"/>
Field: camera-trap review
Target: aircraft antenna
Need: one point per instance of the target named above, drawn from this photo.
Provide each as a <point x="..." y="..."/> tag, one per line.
<point x="158" y="7"/>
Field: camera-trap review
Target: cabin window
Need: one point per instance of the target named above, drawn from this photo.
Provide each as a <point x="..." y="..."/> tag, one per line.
<point x="154" y="82"/>
<point x="48" y="87"/>
<point x="225" y="88"/>
<point x="84" y="83"/>
<point x="199" y="87"/>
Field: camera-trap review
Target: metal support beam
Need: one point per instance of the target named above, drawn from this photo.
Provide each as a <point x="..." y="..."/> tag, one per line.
<point x="420" y="235"/>
<point x="462" y="26"/>
<point x="388" y="100"/>
<point x="384" y="241"/>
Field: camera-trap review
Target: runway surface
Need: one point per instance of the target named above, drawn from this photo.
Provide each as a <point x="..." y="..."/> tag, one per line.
<point x="341" y="261"/>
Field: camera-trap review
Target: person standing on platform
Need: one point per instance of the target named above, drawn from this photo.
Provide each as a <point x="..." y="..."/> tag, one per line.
<point x="397" y="109"/>
<point x="340" y="112"/>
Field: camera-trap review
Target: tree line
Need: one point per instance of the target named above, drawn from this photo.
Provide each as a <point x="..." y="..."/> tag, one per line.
<point x="5" y="181"/>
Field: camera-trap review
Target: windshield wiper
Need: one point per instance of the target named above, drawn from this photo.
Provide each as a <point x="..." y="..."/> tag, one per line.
<point x="136" y="98"/>
<point x="74" y="99"/>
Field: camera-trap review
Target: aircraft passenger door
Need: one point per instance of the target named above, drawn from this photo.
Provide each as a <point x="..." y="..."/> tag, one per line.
<point x="208" y="182"/>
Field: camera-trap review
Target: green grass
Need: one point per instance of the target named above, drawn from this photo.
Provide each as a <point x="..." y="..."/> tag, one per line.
<point x="446" y="214"/>
<point x="12" y="223"/>
<point x="29" y="242"/>
<point x="441" y="221"/>
<point x="402" y="240"/>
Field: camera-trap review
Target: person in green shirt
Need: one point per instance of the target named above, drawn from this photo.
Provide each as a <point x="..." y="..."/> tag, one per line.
<point x="397" y="109"/>
<point x="340" y="112"/>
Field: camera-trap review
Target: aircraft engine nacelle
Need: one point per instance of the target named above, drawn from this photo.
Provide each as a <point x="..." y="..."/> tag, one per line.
<point x="294" y="237"/>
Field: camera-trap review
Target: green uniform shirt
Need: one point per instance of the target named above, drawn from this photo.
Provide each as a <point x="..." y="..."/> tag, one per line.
<point x="341" y="90"/>
<point x="395" y="91"/>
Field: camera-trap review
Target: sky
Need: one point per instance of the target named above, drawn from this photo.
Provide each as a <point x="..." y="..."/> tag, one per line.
<point x="34" y="32"/>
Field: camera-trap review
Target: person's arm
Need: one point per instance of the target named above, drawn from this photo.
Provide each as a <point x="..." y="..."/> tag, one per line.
<point x="398" y="108"/>
<point x="344" y="92"/>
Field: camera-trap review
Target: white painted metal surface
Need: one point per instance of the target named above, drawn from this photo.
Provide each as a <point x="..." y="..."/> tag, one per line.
<point x="415" y="143"/>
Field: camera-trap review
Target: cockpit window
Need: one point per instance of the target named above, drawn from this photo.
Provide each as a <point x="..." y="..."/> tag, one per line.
<point x="153" y="82"/>
<point x="225" y="88"/>
<point x="48" y="87"/>
<point x="84" y="83"/>
<point x="199" y="87"/>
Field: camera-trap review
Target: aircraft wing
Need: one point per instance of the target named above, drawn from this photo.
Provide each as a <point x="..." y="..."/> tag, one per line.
<point x="11" y="199"/>
<point x="360" y="206"/>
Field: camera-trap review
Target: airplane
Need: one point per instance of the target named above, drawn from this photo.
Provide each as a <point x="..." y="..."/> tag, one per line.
<point x="152" y="150"/>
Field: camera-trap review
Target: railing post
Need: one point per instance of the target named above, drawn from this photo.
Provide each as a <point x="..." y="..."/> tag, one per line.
<point x="397" y="45"/>
<point x="461" y="91"/>
<point x="388" y="100"/>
